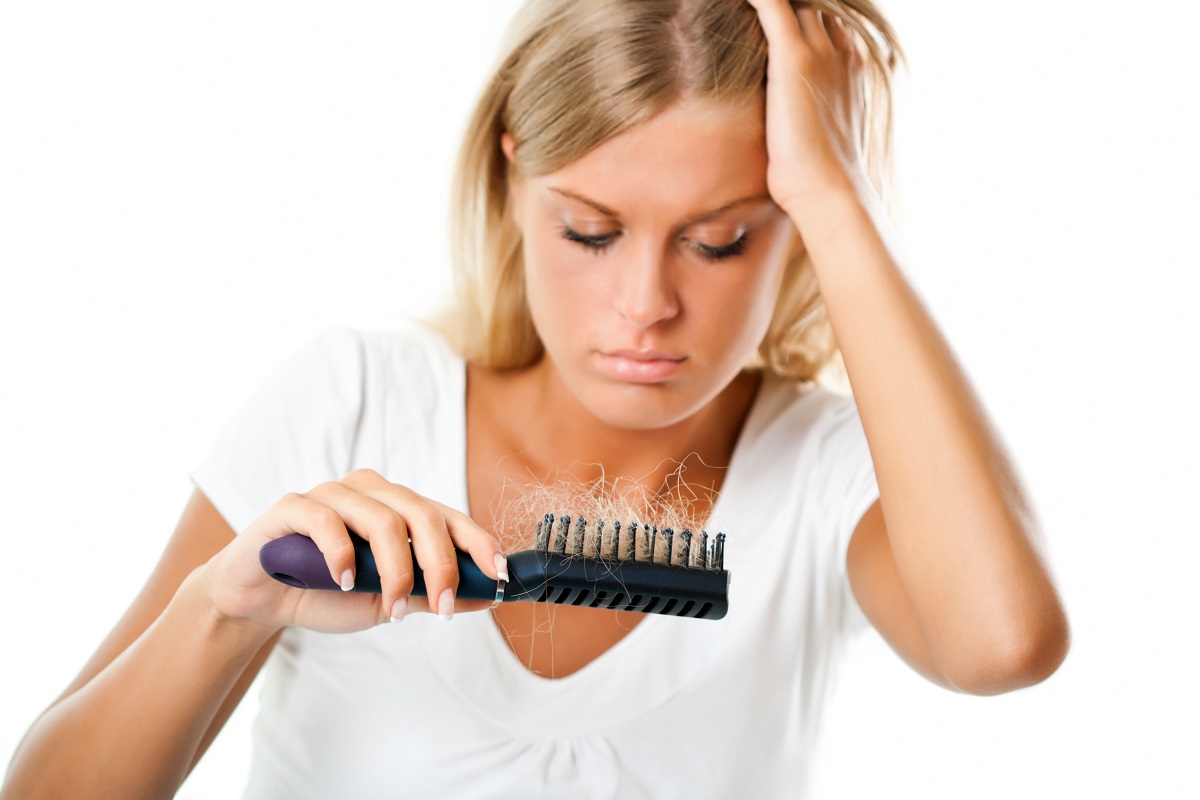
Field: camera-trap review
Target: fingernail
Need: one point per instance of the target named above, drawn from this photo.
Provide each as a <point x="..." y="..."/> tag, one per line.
<point x="446" y="604"/>
<point x="398" y="609"/>
<point x="347" y="580"/>
<point x="502" y="567"/>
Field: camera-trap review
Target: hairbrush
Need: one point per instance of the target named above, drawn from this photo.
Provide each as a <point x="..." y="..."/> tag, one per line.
<point x="635" y="568"/>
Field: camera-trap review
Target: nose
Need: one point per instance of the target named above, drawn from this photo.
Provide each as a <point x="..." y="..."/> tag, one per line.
<point x="647" y="293"/>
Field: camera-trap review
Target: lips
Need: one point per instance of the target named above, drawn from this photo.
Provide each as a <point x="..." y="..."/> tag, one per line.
<point x="641" y="366"/>
<point x="644" y="355"/>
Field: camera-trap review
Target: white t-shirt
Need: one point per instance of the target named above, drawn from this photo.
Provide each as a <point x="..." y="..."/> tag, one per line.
<point x="426" y="708"/>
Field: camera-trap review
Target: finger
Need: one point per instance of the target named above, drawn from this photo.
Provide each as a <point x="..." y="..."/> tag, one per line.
<point x="831" y="24"/>
<point x="428" y="541"/>
<point x="386" y="531"/>
<point x="428" y="534"/>
<point x="465" y="534"/>
<point x="295" y="513"/>
<point x="779" y="23"/>
<point x="434" y="551"/>
<point x="854" y="43"/>
<point x="474" y="539"/>
<point x="842" y="35"/>
<point x="812" y="25"/>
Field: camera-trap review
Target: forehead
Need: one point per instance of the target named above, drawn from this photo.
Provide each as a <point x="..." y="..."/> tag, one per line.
<point x="693" y="156"/>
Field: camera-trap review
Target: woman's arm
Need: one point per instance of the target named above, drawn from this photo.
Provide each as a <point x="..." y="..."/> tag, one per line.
<point x="143" y="710"/>
<point x="148" y="703"/>
<point x="945" y="566"/>
<point x="951" y="558"/>
<point x="133" y="730"/>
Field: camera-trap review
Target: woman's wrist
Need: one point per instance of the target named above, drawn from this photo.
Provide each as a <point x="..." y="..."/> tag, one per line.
<point x="200" y="591"/>
<point x="828" y="198"/>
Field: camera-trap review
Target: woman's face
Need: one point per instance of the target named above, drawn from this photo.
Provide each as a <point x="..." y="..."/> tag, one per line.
<point x="652" y="264"/>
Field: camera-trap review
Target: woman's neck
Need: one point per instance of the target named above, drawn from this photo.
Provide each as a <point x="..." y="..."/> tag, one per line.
<point x="535" y="460"/>
<point x="554" y="436"/>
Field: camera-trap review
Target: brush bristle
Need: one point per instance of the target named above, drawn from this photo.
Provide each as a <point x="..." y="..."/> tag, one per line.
<point x="632" y="541"/>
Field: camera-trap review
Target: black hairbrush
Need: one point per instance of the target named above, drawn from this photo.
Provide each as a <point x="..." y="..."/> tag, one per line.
<point x="635" y="568"/>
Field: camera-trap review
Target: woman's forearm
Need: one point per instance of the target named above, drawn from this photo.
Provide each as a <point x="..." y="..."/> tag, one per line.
<point x="133" y="730"/>
<point x="960" y="527"/>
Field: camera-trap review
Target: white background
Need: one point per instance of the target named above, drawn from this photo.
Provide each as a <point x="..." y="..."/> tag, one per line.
<point x="188" y="190"/>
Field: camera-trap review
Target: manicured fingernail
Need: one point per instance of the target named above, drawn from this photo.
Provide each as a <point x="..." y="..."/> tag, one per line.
<point x="502" y="567"/>
<point x="446" y="604"/>
<point x="398" y="609"/>
<point x="347" y="580"/>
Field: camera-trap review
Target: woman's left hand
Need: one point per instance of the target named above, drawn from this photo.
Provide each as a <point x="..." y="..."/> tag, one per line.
<point x="814" y="105"/>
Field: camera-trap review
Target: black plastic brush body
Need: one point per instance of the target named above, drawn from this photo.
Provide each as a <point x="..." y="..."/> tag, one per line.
<point x="638" y="568"/>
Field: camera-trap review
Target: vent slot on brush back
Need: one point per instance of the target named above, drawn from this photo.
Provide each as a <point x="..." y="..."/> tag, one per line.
<point x="622" y="566"/>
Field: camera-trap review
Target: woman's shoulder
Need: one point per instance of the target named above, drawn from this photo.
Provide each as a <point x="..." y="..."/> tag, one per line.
<point x="801" y="429"/>
<point x="403" y="366"/>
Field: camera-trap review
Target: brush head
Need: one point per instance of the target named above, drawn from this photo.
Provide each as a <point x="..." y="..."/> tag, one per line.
<point x="631" y="567"/>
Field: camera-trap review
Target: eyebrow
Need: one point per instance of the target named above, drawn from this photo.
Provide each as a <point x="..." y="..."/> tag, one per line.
<point x="603" y="209"/>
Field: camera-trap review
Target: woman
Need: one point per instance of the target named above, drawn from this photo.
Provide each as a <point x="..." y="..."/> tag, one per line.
<point x="644" y="227"/>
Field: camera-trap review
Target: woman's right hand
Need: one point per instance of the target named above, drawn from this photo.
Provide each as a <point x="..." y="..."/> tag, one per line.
<point x="387" y="515"/>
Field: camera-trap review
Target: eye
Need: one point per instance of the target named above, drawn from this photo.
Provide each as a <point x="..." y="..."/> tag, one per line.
<point x="731" y="250"/>
<point x="596" y="244"/>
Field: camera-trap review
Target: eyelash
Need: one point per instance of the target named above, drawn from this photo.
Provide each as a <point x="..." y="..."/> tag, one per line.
<point x="598" y="244"/>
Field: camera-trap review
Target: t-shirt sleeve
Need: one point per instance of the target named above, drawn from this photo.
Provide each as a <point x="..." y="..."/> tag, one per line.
<point x="296" y="430"/>
<point x="850" y="473"/>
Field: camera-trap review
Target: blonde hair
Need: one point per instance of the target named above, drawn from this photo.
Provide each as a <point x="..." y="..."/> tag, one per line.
<point x="573" y="74"/>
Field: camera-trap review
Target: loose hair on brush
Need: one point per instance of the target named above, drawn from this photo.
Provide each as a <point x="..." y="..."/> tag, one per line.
<point x="571" y="75"/>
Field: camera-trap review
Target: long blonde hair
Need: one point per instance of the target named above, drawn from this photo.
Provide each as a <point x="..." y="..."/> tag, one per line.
<point x="573" y="74"/>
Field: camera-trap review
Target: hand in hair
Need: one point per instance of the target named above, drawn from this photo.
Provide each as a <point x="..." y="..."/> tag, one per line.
<point x="814" y="104"/>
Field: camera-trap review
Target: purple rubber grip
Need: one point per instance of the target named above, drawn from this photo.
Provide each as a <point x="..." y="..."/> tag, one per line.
<point x="297" y="561"/>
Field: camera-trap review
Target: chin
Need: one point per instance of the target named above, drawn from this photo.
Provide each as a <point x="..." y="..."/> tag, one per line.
<point x="640" y="406"/>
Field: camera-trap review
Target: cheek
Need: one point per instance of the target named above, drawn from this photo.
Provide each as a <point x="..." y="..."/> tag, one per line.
<point x="746" y="310"/>
<point x="555" y="287"/>
<point x="540" y="272"/>
<point x="559" y="272"/>
<point x="778" y="252"/>
<point x="749" y="289"/>
<point x="739" y="313"/>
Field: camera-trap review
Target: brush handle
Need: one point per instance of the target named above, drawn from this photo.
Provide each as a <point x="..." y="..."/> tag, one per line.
<point x="296" y="560"/>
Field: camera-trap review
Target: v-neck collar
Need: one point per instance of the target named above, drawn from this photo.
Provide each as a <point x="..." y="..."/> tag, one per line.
<point x="473" y="658"/>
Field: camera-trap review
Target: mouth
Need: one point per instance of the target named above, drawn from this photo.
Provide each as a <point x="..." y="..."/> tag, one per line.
<point x="641" y="366"/>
